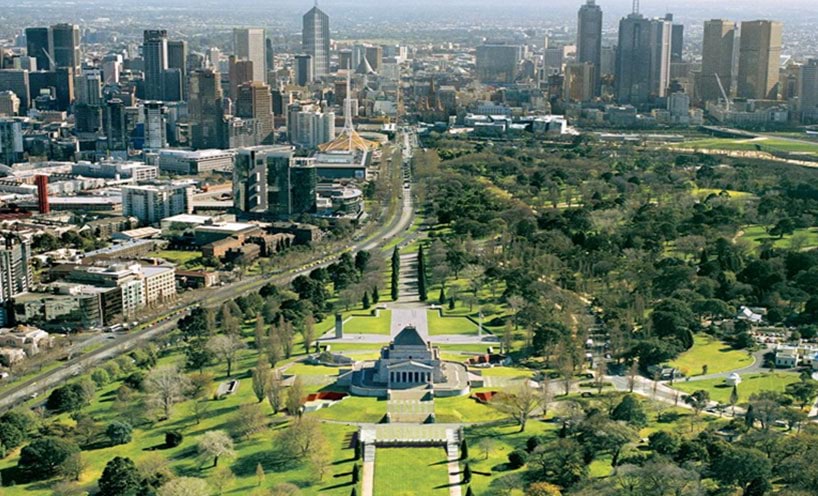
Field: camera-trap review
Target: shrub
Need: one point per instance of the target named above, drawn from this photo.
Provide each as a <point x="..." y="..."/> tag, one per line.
<point x="534" y="441"/>
<point x="517" y="458"/>
<point x="100" y="377"/>
<point x="119" y="432"/>
<point x="173" y="439"/>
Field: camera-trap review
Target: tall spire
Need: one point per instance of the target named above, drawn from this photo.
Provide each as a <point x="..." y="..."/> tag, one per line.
<point x="348" y="127"/>
<point x="635" y="6"/>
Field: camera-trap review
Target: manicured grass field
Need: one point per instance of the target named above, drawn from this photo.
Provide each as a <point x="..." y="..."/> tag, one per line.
<point x="709" y="351"/>
<point x="179" y="257"/>
<point x="802" y="238"/>
<point x="464" y="409"/>
<point x="450" y="325"/>
<point x="355" y="409"/>
<point x="411" y="472"/>
<point x="764" y="144"/>
<point x="512" y="372"/>
<point x="750" y="384"/>
<point x="306" y="369"/>
<point x="364" y="324"/>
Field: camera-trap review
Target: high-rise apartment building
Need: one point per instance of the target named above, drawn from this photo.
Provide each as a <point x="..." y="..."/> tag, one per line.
<point x="177" y="59"/>
<point x="579" y="82"/>
<point x="15" y="272"/>
<point x="718" y="50"/>
<point x="155" y="125"/>
<point x="239" y="72"/>
<point x="759" y="58"/>
<point x="308" y="126"/>
<point x="315" y="40"/>
<point x="249" y="44"/>
<point x="65" y="46"/>
<point x="11" y="141"/>
<point x="155" y="57"/>
<point x="589" y="39"/>
<point x="9" y="104"/>
<point x="152" y="203"/>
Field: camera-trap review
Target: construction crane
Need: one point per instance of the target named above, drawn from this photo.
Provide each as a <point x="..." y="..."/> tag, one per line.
<point x="727" y="101"/>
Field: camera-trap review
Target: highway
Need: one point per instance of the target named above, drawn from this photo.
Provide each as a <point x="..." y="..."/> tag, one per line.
<point x="124" y="342"/>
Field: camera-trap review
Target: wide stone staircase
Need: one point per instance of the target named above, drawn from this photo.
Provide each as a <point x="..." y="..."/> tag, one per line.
<point x="410" y="406"/>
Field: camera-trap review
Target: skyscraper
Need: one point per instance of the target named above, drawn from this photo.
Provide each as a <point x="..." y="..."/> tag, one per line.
<point x="155" y="56"/>
<point x="65" y="45"/>
<point x="315" y="40"/>
<point x="15" y="271"/>
<point x="239" y="72"/>
<point x="718" y="48"/>
<point x="155" y="125"/>
<point x="759" y="58"/>
<point x="177" y="59"/>
<point x="17" y="81"/>
<point x="589" y="39"/>
<point x="205" y="109"/>
<point x="303" y="69"/>
<point x="254" y="101"/>
<point x="808" y="86"/>
<point x="497" y="63"/>
<point x="249" y="44"/>
<point x="643" y="59"/>
<point x="38" y="45"/>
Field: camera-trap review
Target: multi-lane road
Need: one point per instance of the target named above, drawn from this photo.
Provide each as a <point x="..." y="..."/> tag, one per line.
<point x="123" y="342"/>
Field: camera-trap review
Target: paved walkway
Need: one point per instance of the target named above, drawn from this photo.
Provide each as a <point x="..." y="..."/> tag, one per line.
<point x="368" y="479"/>
<point x="402" y="317"/>
<point x="454" y="477"/>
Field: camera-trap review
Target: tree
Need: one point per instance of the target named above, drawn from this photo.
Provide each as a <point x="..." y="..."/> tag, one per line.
<point x="286" y="489"/>
<point x="72" y="468"/>
<point x="223" y="478"/>
<point x="120" y="478"/>
<point x="248" y="420"/>
<point x="260" y="474"/>
<point x="486" y="444"/>
<point x="308" y="331"/>
<point x="422" y="289"/>
<point x="166" y="387"/>
<point x="519" y="403"/>
<point x="734" y="398"/>
<point x="261" y="379"/>
<point x="319" y="455"/>
<point x="600" y="434"/>
<point x="630" y="410"/>
<point x="10" y="435"/>
<point x="543" y="489"/>
<point x="184" y="486"/>
<point x="698" y="401"/>
<point x="664" y="443"/>
<point x="119" y="432"/>
<point x="226" y="347"/>
<point x="803" y="391"/>
<point x="467" y="474"/>
<point x="42" y="458"/>
<point x="561" y="462"/>
<point x="746" y="468"/>
<point x="275" y="390"/>
<point x="215" y="444"/>
<point x="303" y="434"/>
<point x="295" y="397"/>
<point x="68" y="398"/>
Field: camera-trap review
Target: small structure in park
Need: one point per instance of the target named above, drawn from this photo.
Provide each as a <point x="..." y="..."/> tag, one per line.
<point x="408" y="362"/>
<point x="733" y="379"/>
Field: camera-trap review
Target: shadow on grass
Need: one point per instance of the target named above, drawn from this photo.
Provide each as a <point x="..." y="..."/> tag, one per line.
<point x="271" y="461"/>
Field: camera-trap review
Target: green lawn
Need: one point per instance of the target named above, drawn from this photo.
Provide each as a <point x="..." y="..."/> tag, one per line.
<point x="189" y="259"/>
<point x="709" y="351"/>
<point x="365" y="324"/>
<point x="355" y="409"/>
<point x="464" y="409"/>
<point x="750" y="384"/>
<point x="306" y="369"/>
<point x="800" y="238"/>
<point x="411" y="472"/>
<point x="450" y="325"/>
<point x="763" y="144"/>
<point x="512" y="372"/>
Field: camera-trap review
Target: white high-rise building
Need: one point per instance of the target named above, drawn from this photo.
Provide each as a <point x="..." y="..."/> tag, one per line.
<point x="15" y="271"/>
<point x="309" y="127"/>
<point x="249" y="44"/>
<point x="152" y="203"/>
<point x="156" y="134"/>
